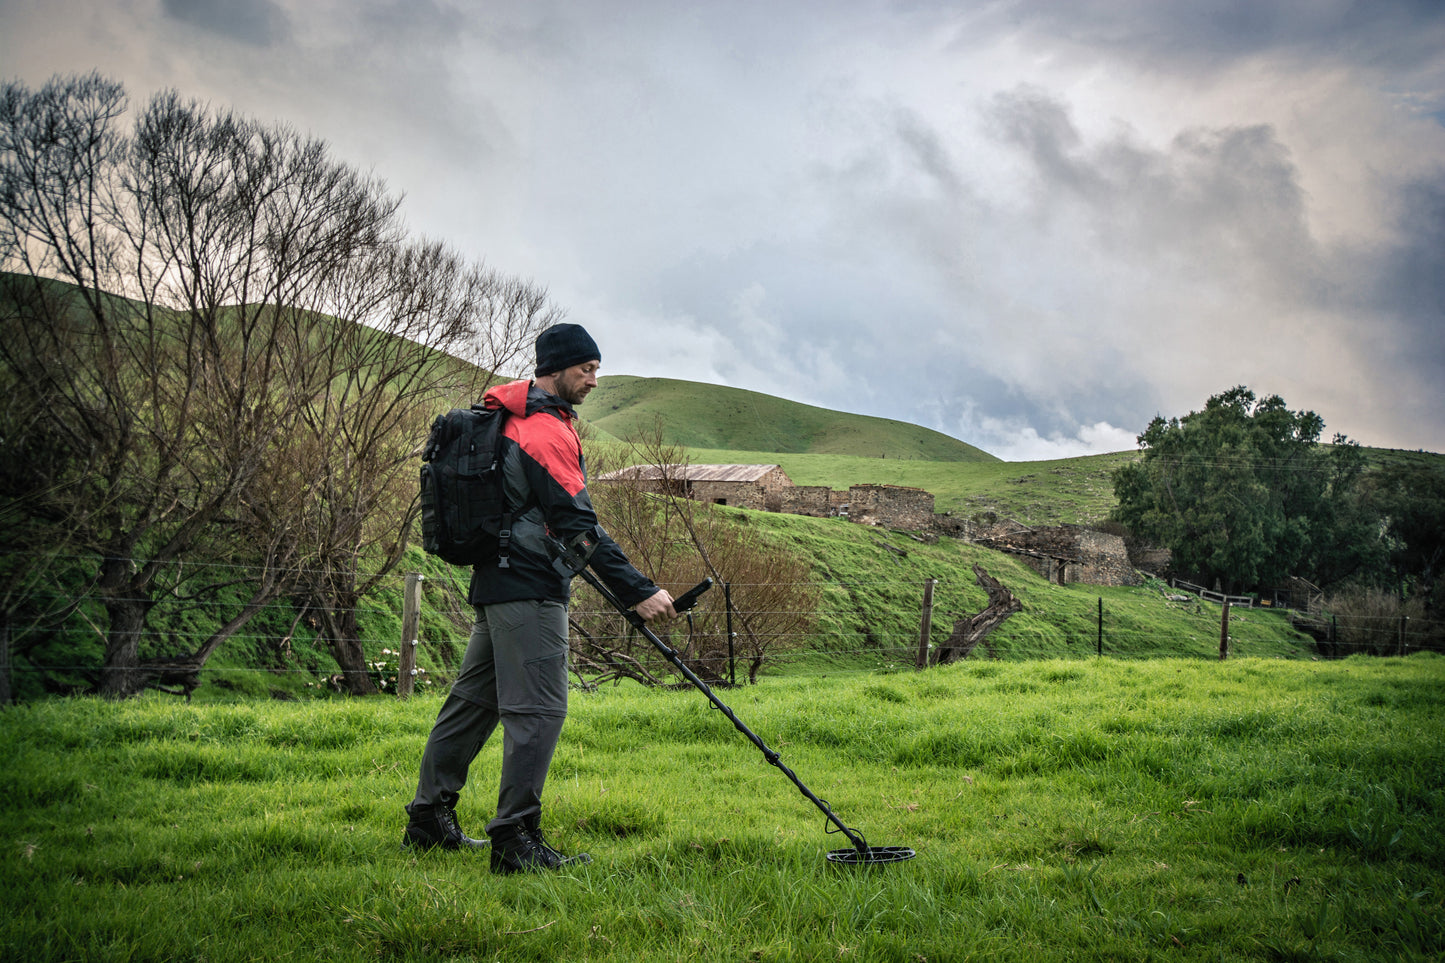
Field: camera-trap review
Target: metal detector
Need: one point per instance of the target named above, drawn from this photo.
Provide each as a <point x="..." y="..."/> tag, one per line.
<point x="861" y="854"/>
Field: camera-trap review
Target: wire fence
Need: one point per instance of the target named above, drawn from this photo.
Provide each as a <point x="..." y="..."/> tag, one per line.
<point x="1205" y="626"/>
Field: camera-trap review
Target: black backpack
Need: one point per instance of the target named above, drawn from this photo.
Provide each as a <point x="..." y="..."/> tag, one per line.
<point x="464" y="515"/>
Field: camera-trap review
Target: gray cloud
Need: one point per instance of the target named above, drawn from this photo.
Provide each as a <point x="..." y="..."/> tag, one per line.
<point x="257" y="22"/>
<point x="1030" y="224"/>
<point x="1392" y="35"/>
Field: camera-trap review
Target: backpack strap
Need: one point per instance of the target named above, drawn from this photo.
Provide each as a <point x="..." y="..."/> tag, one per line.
<point x="504" y="536"/>
<point x="504" y="533"/>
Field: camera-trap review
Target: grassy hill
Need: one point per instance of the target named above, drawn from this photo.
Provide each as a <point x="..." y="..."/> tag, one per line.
<point x="871" y="605"/>
<point x="717" y="417"/>
<point x="869" y="614"/>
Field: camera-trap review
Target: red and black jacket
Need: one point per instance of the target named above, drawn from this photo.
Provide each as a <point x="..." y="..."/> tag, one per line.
<point x="545" y="478"/>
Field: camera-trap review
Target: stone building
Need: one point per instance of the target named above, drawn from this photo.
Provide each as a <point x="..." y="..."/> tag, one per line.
<point x="760" y="487"/>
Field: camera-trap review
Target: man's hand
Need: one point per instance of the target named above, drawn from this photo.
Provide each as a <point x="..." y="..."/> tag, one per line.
<point x="655" y="606"/>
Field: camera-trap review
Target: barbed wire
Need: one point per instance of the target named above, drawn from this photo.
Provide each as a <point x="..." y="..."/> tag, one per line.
<point x="288" y="608"/>
<point x="905" y="653"/>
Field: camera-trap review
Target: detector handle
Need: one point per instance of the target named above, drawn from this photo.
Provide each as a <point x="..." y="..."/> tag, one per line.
<point x="689" y="598"/>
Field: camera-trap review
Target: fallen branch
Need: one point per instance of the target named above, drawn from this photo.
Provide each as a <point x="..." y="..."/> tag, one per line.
<point x="969" y="631"/>
<point x="901" y="553"/>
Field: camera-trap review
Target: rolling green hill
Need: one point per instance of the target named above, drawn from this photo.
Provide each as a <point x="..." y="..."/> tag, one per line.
<point x="715" y="417"/>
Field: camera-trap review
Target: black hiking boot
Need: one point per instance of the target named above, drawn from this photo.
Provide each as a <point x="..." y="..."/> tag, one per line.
<point x="534" y="829"/>
<point x="432" y="826"/>
<point x="521" y="849"/>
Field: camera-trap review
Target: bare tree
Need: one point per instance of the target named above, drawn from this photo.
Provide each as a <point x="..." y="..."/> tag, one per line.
<point x="31" y="609"/>
<point x="238" y="359"/>
<point x="391" y="375"/>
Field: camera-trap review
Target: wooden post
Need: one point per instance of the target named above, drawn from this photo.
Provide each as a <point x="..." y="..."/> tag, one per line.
<point x="1101" y="625"/>
<point x="410" y="624"/>
<point x="1224" y="633"/>
<point x="927" y="626"/>
<point x="732" y="656"/>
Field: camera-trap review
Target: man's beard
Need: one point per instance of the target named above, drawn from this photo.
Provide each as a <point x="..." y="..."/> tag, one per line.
<point x="573" y="394"/>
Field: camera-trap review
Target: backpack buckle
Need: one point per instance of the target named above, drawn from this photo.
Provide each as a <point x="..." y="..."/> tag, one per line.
<point x="504" y="541"/>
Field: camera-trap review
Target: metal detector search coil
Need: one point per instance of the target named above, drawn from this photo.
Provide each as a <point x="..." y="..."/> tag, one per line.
<point x="870" y="855"/>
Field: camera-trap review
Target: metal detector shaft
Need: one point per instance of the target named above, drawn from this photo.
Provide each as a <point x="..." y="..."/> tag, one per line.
<point x="639" y="623"/>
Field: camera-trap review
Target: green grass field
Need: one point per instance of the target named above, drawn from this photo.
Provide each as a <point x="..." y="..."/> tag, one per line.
<point x="1084" y="809"/>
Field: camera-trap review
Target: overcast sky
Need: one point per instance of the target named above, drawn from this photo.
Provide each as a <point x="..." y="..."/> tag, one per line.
<point x="1031" y="225"/>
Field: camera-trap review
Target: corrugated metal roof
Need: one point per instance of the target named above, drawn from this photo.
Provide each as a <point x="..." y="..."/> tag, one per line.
<point x="697" y="473"/>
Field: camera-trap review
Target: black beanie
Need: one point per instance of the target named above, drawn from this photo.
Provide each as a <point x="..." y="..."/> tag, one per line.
<point x="563" y="345"/>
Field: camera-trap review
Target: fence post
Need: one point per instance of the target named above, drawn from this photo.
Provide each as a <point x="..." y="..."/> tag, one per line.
<point x="728" y="608"/>
<point x="1101" y="625"/>
<point x="410" y="624"/>
<point x="1224" y="633"/>
<point x="1404" y="621"/>
<point x="927" y="626"/>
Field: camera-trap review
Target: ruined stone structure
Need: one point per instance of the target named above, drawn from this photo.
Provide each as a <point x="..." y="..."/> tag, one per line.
<point x="893" y="506"/>
<point x="1069" y="553"/>
<point x="814" y="500"/>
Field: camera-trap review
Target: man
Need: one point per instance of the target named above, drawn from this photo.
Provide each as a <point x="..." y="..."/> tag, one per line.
<point x="515" y="668"/>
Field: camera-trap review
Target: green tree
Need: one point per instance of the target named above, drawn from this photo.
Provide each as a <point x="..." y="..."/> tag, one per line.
<point x="1242" y="494"/>
<point x="1411" y="499"/>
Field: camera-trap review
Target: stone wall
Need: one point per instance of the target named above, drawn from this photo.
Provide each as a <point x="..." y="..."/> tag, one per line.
<point x="815" y="500"/>
<point x="952" y="526"/>
<point x="734" y="494"/>
<point x="774" y="486"/>
<point x="892" y="506"/>
<point x="1105" y="559"/>
<point x="1070" y="553"/>
<point x="765" y="493"/>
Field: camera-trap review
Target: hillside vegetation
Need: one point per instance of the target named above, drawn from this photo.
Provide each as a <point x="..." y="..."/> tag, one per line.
<point x="870" y="612"/>
<point x="871" y="607"/>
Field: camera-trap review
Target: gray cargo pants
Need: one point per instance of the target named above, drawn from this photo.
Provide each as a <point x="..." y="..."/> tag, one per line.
<point x="514" y="672"/>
